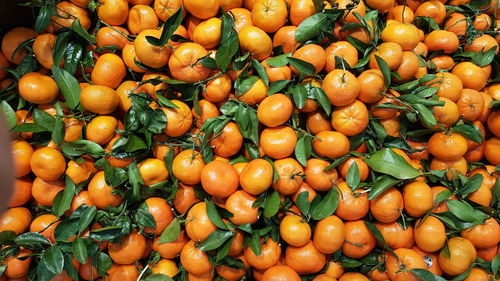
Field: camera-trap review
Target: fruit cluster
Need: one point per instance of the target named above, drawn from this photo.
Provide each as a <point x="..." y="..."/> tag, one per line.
<point x="345" y="140"/>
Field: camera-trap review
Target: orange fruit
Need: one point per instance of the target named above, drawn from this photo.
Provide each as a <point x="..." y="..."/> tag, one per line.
<point x="38" y="88"/>
<point x="278" y="142"/>
<point x="256" y="41"/>
<point x="122" y="273"/>
<point x="483" y="235"/>
<point x="99" y="99"/>
<point x="184" y="65"/>
<point x="434" y="9"/>
<point x="179" y="120"/>
<point x="295" y="230"/>
<point x="450" y="146"/>
<point x="129" y="57"/>
<point x="16" y="267"/>
<point x="129" y="250"/>
<point x="16" y="219"/>
<point x="461" y="255"/>
<point x="166" y="8"/>
<point x="101" y="129"/>
<point x="359" y="241"/>
<point x="359" y="7"/>
<point x="45" y="224"/>
<point x="228" y="142"/>
<point x="395" y="236"/>
<point x="417" y="197"/>
<point x="300" y="10"/>
<point x="341" y="49"/>
<point x="404" y="34"/>
<point x="256" y="94"/>
<point x="330" y="144"/>
<point x="350" y="119"/>
<point x="44" y="192"/>
<point x="274" y="110"/>
<point x="21" y="155"/>
<point x="387" y="206"/>
<point x="442" y="40"/>
<point x="256" y="177"/>
<point x="341" y="87"/>
<point x="112" y="36"/>
<point x="372" y="85"/>
<point x="329" y="234"/>
<point x="208" y="33"/>
<point x="270" y="253"/>
<point x="405" y="259"/>
<point x="109" y="70"/>
<point x="285" y="36"/>
<point x="313" y="54"/>
<point x="316" y="175"/>
<point x="153" y="171"/>
<point x="240" y="204"/>
<point x="306" y="259"/>
<point x="187" y="167"/>
<point x="39" y="163"/>
<point x="202" y="9"/>
<point x="472" y="76"/>
<point x="280" y="272"/>
<point x="11" y="41"/>
<point x="430" y="235"/>
<point x="101" y="194"/>
<point x="470" y="104"/>
<point x="22" y="192"/>
<point x="42" y="49"/>
<point x="219" y="179"/>
<point x="148" y="54"/>
<point x="390" y="52"/>
<point x="289" y="175"/>
<point x="161" y="212"/>
<point x="353" y="204"/>
<point x="113" y="12"/>
<point x="141" y="17"/>
<point x="269" y="15"/>
<point x="198" y="225"/>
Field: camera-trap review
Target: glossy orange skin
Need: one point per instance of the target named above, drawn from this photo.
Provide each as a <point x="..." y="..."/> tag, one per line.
<point x="16" y="219"/>
<point x="17" y="268"/>
<point x="430" y="236"/>
<point x="46" y="225"/>
<point x="289" y="175"/>
<point x="240" y="203"/>
<point x="229" y="141"/>
<point x="483" y="235"/>
<point x="67" y="13"/>
<point x="172" y="249"/>
<point x="305" y="259"/>
<point x="395" y="236"/>
<point x="353" y="205"/>
<point x="280" y="272"/>
<point x="256" y="177"/>
<point x="45" y="155"/>
<point x="100" y="193"/>
<point x="407" y="258"/>
<point x="161" y="212"/>
<point x="12" y="39"/>
<point x="22" y="192"/>
<point x="274" y="110"/>
<point x="187" y="167"/>
<point x="122" y="273"/>
<point x="294" y="230"/>
<point x="323" y="144"/>
<point x="38" y="88"/>
<point x="183" y="66"/>
<point x="269" y="255"/>
<point x="141" y="17"/>
<point x="329" y="234"/>
<point x="219" y="178"/>
<point x="278" y="142"/>
<point x="462" y="253"/>
<point x="129" y="250"/>
<point x="195" y="261"/>
<point x="341" y="87"/>
<point x="269" y="15"/>
<point x="356" y="232"/>
<point x="342" y="49"/>
<point x="198" y="225"/>
<point x="417" y="197"/>
<point x="113" y="12"/>
<point x="179" y="120"/>
<point x="109" y="70"/>
<point x="99" y="99"/>
<point x="44" y="192"/>
<point x="256" y="41"/>
<point x="112" y="36"/>
<point x="316" y="175"/>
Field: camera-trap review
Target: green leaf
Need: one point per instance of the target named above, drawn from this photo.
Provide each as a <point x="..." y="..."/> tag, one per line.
<point x="59" y="131"/>
<point x="302" y="66"/>
<point x="169" y="27"/>
<point x="215" y="239"/>
<point x="426" y="275"/>
<point x="114" y="176"/>
<point x="171" y="233"/>
<point x="77" y="27"/>
<point x="353" y="178"/>
<point x="471" y="132"/>
<point x="261" y="71"/>
<point x="163" y="101"/>
<point x="80" y="250"/>
<point x="495" y="263"/>
<point x="86" y="218"/>
<point x="327" y="205"/>
<point x="303" y="149"/>
<point x="465" y="212"/>
<point x="102" y="263"/>
<point x="384" y="68"/>
<point x="214" y="216"/>
<point x="229" y="43"/>
<point x="79" y="147"/>
<point x="322" y="99"/>
<point x="44" y="119"/>
<point x="377" y="234"/>
<point x="272" y="204"/>
<point x="278" y="61"/>
<point x="299" y="94"/>
<point x="54" y="259"/>
<point x="245" y="84"/>
<point x="277" y="86"/>
<point x="68" y="85"/>
<point x="310" y="27"/>
<point x="106" y="233"/>
<point x="31" y="238"/>
<point x="158" y="277"/>
<point x="63" y="199"/>
<point x="473" y="184"/>
<point x="253" y="242"/>
<point x="389" y="162"/>
<point x="43" y="18"/>
<point x="302" y="203"/>
<point x="8" y="114"/>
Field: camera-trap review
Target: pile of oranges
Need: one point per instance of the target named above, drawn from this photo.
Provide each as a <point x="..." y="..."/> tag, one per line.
<point x="280" y="140"/>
